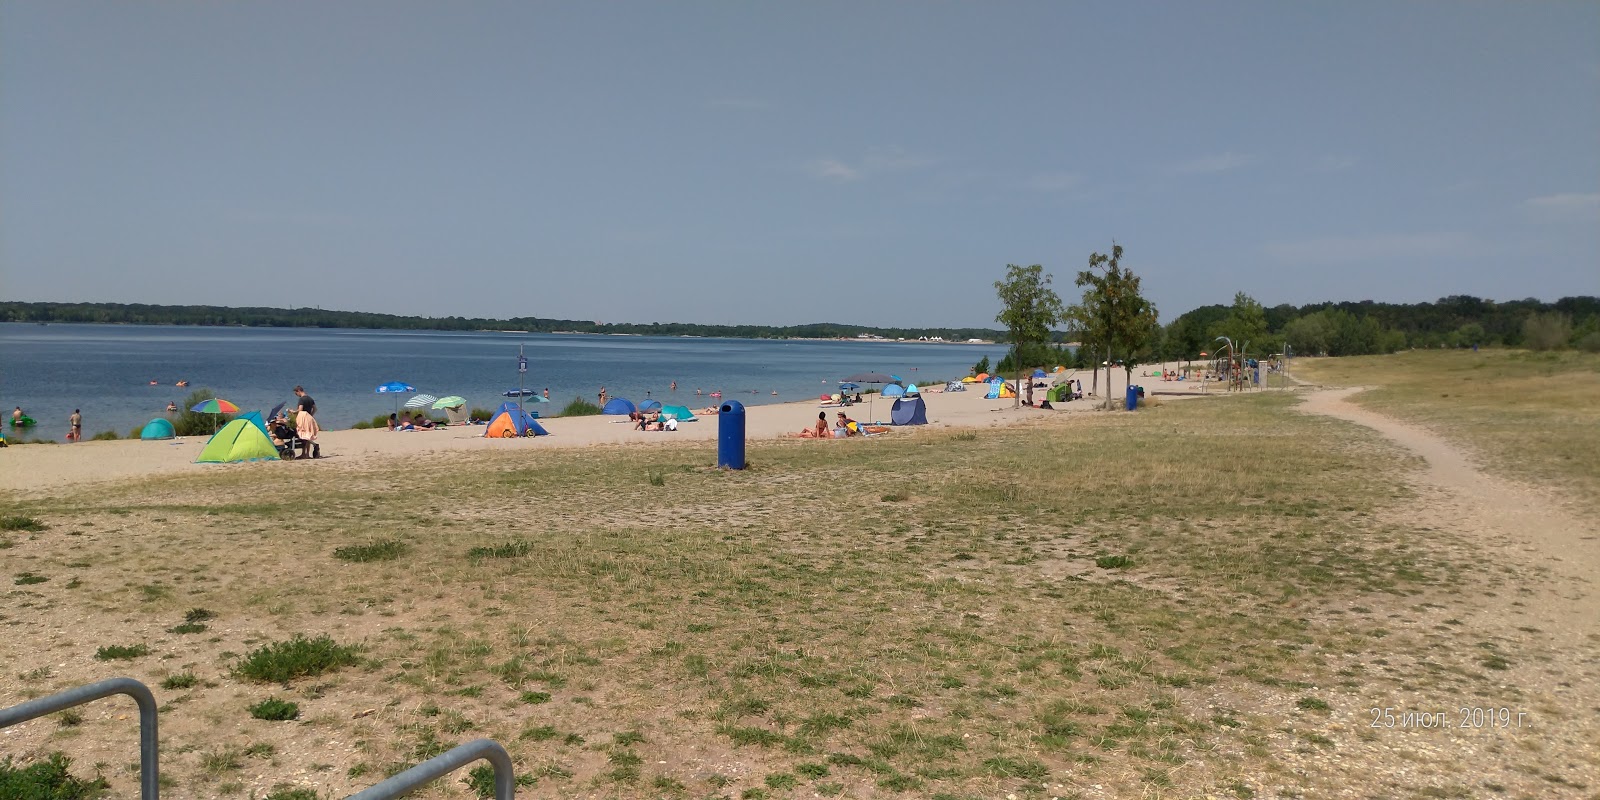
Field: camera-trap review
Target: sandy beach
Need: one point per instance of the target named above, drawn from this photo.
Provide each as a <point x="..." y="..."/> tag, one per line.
<point x="42" y="469"/>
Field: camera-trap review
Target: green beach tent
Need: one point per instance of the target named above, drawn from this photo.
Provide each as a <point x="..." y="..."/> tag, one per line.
<point x="239" y="440"/>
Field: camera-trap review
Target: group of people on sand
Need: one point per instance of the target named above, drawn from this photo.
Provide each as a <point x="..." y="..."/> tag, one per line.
<point x="843" y="427"/>
<point x="407" y="422"/>
<point x="305" y="428"/>
<point x="652" y="421"/>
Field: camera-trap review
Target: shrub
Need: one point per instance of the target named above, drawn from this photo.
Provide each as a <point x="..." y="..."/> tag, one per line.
<point x="480" y="415"/>
<point x="136" y="432"/>
<point x="298" y="657"/>
<point x="580" y="407"/>
<point x="1546" y="331"/>
<point x="1589" y="342"/>
<point x="47" y="780"/>
<point x="105" y="436"/>
<point x="386" y="550"/>
<point x="274" y="710"/>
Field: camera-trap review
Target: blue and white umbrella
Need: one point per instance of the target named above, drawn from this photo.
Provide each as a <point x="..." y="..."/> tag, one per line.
<point x="421" y="401"/>
<point x="395" y="388"/>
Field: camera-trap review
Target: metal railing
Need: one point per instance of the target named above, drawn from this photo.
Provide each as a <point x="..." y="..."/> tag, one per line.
<point x="149" y="775"/>
<point x="149" y="780"/>
<point x="505" y="783"/>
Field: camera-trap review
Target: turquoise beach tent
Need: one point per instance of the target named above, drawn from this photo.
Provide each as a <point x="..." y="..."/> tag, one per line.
<point x="157" y="428"/>
<point x="680" y="413"/>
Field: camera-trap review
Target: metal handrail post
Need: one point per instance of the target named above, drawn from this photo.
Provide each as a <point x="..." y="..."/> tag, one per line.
<point x="505" y="783"/>
<point x="149" y="782"/>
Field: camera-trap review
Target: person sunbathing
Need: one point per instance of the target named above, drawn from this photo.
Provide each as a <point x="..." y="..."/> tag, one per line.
<point x="817" y="431"/>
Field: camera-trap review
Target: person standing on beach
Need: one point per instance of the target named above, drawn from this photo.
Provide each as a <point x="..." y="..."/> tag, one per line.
<point x="75" y="426"/>
<point x="306" y="430"/>
<point x="602" y="397"/>
<point x="305" y="403"/>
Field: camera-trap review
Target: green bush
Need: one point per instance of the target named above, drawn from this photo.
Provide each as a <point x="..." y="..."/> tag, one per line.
<point x="1589" y="343"/>
<point x="580" y="407"/>
<point x="274" y="710"/>
<point x="136" y="432"/>
<point x="1546" y="331"/>
<point x="47" y="780"/>
<point x="298" y="657"/>
<point x="480" y="415"/>
<point x="191" y="423"/>
<point x="105" y="436"/>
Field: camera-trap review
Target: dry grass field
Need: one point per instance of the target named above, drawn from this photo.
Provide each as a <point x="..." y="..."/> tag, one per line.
<point x="1207" y="598"/>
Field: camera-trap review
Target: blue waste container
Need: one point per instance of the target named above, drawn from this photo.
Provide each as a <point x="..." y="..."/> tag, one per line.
<point x="730" y="435"/>
<point x="1133" y="397"/>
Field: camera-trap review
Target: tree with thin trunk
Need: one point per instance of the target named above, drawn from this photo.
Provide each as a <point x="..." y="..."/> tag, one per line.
<point x="1029" y="309"/>
<point x="1113" y="314"/>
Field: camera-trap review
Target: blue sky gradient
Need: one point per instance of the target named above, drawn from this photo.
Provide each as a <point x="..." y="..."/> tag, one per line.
<point x="779" y="163"/>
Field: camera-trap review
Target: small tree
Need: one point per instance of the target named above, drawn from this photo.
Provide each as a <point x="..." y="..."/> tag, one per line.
<point x="1113" y="315"/>
<point x="1029" y="309"/>
<point x="982" y="367"/>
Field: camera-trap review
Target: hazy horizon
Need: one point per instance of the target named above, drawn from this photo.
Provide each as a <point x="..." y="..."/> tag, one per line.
<point x="781" y="165"/>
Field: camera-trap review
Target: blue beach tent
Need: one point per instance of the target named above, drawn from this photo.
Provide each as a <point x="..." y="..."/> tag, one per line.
<point x="650" y="405"/>
<point x="254" y="418"/>
<point x="620" y="406"/>
<point x="909" y="411"/>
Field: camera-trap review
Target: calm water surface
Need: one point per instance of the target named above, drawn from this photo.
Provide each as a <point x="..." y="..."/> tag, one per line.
<point x="105" y="370"/>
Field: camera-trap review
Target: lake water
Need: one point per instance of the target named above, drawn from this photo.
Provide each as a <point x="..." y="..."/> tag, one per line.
<point x="105" y="370"/>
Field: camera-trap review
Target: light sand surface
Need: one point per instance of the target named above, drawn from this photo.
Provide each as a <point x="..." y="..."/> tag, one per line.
<point x="44" y="469"/>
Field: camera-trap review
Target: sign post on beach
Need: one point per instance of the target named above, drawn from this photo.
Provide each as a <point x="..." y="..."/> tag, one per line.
<point x="522" y="372"/>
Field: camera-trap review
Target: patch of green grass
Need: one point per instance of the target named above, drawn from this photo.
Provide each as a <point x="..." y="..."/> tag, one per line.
<point x="183" y="680"/>
<point x="1113" y="562"/>
<point x="760" y="737"/>
<point x="187" y="627"/>
<point x="515" y="549"/>
<point x="297" y="657"/>
<point x="291" y="793"/>
<point x="384" y="550"/>
<point x="1311" y="704"/>
<point x="781" y="780"/>
<point x="21" y="523"/>
<point x="535" y="698"/>
<point x="274" y="710"/>
<point x="29" y="579"/>
<point x="117" y="652"/>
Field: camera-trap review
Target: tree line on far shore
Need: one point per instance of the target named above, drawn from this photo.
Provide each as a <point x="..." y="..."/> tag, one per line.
<point x="141" y="314"/>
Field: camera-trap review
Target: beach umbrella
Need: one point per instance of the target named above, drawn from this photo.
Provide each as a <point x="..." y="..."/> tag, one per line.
<point x="849" y="387"/>
<point x="396" y="388"/>
<point x="871" y="377"/>
<point x="519" y="393"/>
<point x="215" y="405"/>
<point x="421" y="401"/>
<point x="533" y="398"/>
<point x="450" y="402"/>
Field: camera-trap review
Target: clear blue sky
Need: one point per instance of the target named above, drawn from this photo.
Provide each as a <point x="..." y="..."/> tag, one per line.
<point x="777" y="163"/>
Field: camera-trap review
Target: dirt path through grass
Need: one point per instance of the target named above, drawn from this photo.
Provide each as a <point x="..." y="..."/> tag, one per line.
<point x="1498" y="513"/>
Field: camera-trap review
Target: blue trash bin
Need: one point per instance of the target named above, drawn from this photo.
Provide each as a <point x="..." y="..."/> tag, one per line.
<point x="730" y="435"/>
<point x="1133" y="397"/>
